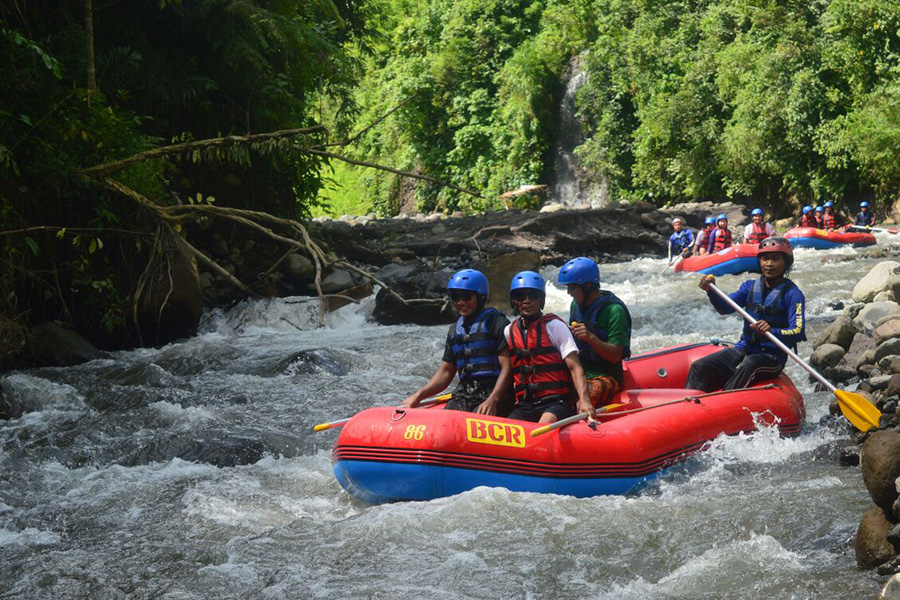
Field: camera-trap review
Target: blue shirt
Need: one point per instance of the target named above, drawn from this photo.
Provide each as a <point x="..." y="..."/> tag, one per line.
<point x="791" y="332"/>
<point x="680" y="241"/>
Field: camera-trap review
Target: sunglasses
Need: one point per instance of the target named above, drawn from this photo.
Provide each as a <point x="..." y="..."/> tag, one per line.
<point x="520" y="296"/>
<point x="464" y="296"/>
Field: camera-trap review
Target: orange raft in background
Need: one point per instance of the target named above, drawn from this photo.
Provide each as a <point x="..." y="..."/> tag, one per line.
<point x="388" y="454"/>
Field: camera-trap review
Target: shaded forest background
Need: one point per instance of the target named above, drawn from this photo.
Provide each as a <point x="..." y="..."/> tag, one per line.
<point x="778" y="102"/>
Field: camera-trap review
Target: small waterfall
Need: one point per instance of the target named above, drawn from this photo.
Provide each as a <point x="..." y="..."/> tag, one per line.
<point x="572" y="185"/>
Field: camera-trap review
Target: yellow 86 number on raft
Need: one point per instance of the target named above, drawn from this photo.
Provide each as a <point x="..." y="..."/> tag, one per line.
<point x="414" y="432"/>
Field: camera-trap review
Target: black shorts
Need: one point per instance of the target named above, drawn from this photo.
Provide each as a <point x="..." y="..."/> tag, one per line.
<point x="469" y="394"/>
<point x="560" y="406"/>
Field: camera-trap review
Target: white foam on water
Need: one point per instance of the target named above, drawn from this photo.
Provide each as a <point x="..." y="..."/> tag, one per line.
<point x="184" y="417"/>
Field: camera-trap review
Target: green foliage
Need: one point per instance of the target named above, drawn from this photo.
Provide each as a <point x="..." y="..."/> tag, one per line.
<point x="484" y="77"/>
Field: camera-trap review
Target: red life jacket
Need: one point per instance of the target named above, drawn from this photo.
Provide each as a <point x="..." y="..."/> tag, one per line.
<point x="721" y="239"/>
<point x="758" y="235"/>
<point x="537" y="366"/>
<point x="829" y="221"/>
<point x="808" y="220"/>
<point x="820" y="221"/>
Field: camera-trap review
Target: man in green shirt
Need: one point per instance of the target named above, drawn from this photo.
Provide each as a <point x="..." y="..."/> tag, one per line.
<point x="601" y="325"/>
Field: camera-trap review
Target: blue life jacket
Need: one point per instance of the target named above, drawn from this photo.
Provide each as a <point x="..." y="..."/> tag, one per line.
<point x="588" y="316"/>
<point x="476" y="350"/>
<point x="864" y="218"/>
<point x="772" y="310"/>
<point x="681" y="240"/>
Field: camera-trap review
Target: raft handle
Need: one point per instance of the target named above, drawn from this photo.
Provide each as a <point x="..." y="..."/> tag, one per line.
<point x="399" y="413"/>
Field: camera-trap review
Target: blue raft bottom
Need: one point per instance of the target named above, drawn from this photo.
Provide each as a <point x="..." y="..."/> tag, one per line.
<point x="378" y="482"/>
<point x="819" y="244"/>
<point x="733" y="267"/>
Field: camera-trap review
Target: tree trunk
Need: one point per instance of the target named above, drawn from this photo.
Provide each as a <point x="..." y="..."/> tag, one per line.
<point x="89" y="49"/>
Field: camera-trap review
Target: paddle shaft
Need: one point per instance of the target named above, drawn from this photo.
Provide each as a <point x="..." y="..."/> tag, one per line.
<point x="340" y="422"/>
<point x="674" y="262"/>
<point x="773" y="339"/>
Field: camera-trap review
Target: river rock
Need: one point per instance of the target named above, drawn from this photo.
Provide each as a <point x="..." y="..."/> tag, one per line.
<point x="827" y="355"/>
<point x="892" y="388"/>
<point x="880" y="466"/>
<point x="52" y="345"/>
<point x="887" y="329"/>
<point x="337" y="281"/>
<point x="878" y="279"/>
<point x="887" y="348"/>
<point x="422" y="283"/>
<point x="500" y="270"/>
<point x="872" y="547"/>
<point x="171" y="306"/>
<point x="298" y="268"/>
<point x="885" y="296"/>
<point x="891" y="589"/>
<point x="867" y="319"/>
<point x="853" y="310"/>
<point x="877" y="382"/>
<point x="841" y="332"/>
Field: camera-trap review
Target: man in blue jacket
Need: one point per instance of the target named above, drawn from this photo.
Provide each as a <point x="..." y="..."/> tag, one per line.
<point x="476" y="350"/>
<point x="681" y="241"/>
<point x="779" y="307"/>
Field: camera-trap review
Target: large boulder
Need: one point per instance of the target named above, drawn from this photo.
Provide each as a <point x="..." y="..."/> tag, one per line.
<point x="52" y="345"/>
<point x="840" y="332"/>
<point x="887" y="329"/>
<point x="827" y="355"/>
<point x="872" y="546"/>
<point x="878" y="279"/>
<point x="418" y="282"/>
<point x="888" y="348"/>
<point x="880" y="465"/>
<point x="170" y="307"/>
<point x="861" y="343"/>
<point x="872" y="314"/>
<point x="500" y="270"/>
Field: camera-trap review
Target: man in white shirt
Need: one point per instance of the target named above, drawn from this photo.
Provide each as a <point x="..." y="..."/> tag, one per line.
<point x="544" y="356"/>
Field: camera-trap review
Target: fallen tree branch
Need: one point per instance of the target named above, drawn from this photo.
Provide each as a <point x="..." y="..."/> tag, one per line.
<point x="361" y="163"/>
<point x="230" y="140"/>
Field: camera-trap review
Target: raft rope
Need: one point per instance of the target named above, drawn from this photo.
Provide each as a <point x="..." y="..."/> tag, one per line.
<point x="695" y="399"/>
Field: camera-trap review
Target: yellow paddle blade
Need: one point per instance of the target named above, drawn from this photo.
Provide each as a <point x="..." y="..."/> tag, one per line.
<point x="541" y="430"/>
<point x="322" y="427"/>
<point x="861" y="413"/>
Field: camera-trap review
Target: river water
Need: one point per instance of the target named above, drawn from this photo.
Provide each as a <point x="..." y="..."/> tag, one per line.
<point x="191" y="471"/>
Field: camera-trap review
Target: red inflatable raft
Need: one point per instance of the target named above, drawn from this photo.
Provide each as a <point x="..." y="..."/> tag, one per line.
<point x="386" y="454"/>
<point x="810" y="237"/>
<point x="740" y="258"/>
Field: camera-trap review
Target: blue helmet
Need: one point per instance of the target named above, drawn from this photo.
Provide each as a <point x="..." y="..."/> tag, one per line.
<point x="756" y="211"/>
<point x="864" y="204"/>
<point x="806" y="209"/>
<point x="819" y="209"/>
<point x="721" y="217"/>
<point x="469" y="279"/>
<point x="527" y="280"/>
<point x="579" y="270"/>
<point x="829" y="204"/>
<point x="710" y="220"/>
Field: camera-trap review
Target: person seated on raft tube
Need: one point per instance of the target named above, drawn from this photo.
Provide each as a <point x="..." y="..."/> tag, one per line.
<point x="820" y="217"/>
<point x="681" y="241"/>
<point x="808" y="219"/>
<point x="703" y="236"/>
<point x="864" y="218"/>
<point x="476" y="349"/>
<point x="777" y="304"/>
<point x="758" y="229"/>
<point x="544" y="356"/>
<point x="601" y="324"/>
<point x="830" y="219"/>
<point x="720" y="237"/>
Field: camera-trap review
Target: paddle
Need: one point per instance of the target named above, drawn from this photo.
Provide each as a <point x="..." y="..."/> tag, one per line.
<point x="570" y="420"/>
<point x="341" y="422"/>
<point x="674" y="262"/>
<point x="877" y="229"/>
<point x="859" y="411"/>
